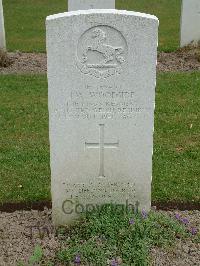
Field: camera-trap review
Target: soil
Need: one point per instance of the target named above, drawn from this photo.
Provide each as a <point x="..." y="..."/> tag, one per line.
<point x="21" y="231"/>
<point x="19" y="234"/>
<point x="187" y="59"/>
<point x="25" y="63"/>
<point x="181" y="60"/>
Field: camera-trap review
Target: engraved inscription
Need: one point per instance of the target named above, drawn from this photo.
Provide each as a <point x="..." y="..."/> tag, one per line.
<point x="100" y="102"/>
<point x="101" y="145"/>
<point x="102" y="52"/>
<point x="104" y="189"/>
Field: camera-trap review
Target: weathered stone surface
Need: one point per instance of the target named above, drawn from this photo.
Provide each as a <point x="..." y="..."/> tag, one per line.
<point x="101" y="83"/>
<point x="90" y="4"/>
<point x="190" y="22"/>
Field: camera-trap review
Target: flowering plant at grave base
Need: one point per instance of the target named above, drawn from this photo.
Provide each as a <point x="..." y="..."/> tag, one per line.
<point x="114" y="262"/>
<point x="185" y="221"/>
<point x="177" y="216"/>
<point x="131" y="221"/>
<point x="193" y="231"/>
<point x="118" y="238"/>
<point x="144" y="214"/>
<point x="77" y="259"/>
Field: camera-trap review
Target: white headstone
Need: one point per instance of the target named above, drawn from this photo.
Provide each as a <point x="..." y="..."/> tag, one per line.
<point x="190" y="22"/>
<point x="90" y="4"/>
<point x="2" y="29"/>
<point x="101" y="87"/>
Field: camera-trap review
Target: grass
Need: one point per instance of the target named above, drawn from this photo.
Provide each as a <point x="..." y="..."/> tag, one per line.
<point x="176" y="164"/>
<point x="24" y="157"/>
<point x="168" y="13"/>
<point x="24" y="147"/>
<point x="25" y="21"/>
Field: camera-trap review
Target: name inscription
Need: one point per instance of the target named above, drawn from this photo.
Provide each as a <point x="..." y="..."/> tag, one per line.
<point x="99" y="102"/>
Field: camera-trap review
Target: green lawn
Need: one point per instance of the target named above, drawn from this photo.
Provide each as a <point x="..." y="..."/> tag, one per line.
<point x="24" y="148"/>
<point x="176" y="169"/>
<point x="25" y="20"/>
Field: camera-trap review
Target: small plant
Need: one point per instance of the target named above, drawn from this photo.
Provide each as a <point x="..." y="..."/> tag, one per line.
<point x="36" y="259"/>
<point x="20" y="263"/>
<point x="5" y="61"/>
<point x="190" y="229"/>
<point x="107" y="237"/>
<point x="37" y="256"/>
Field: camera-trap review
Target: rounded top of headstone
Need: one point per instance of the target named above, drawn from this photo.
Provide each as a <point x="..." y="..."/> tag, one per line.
<point x="102" y="11"/>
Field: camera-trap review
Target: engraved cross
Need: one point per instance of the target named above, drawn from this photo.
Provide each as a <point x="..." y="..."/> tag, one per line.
<point x="101" y="145"/>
